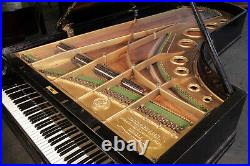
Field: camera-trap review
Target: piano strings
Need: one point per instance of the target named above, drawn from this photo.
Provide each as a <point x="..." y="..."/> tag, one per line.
<point x="166" y="77"/>
<point x="53" y="72"/>
<point x="122" y="94"/>
<point x="188" y="98"/>
<point x="164" y="116"/>
<point x="129" y="91"/>
<point x="88" y="81"/>
<point x="29" y="58"/>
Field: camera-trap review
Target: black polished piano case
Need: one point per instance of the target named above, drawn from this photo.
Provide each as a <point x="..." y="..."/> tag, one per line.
<point x="205" y="143"/>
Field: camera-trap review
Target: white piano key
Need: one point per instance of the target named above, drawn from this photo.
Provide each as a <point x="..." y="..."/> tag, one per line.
<point x="42" y="144"/>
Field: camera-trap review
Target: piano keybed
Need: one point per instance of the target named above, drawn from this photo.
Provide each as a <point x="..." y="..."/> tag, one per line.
<point x="53" y="133"/>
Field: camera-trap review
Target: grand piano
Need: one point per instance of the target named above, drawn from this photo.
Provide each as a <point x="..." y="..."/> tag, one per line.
<point x="149" y="77"/>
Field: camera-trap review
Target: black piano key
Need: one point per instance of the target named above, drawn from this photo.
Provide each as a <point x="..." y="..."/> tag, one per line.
<point x="26" y="105"/>
<point x="101" y="159"/>
<point x="48" y="129"/>
<point x="52" y="132"/>
<point x="68" y="150"/>
<point x="87" y="146"/>
<point x="89" y="159"/>
<point x="28" y="90"/>
<point x="57" y="130"/>
<point x="83" y="152"/>
<point x="48" y="121"/>
<point x="81" y="135"/>
<point x="95" y="152"/>
<point x="30" y="103"/>
<point x="16" y="95"/>
<point x="97" y="157"/>
<point x="57" y="117"/>
<point x="20" y="90"/>
<point x="22" y="99"/>
<point x="62" y="136"/>
<point x="71" y="146"/>
<point x="84" y="148"/>
<point x="41" y="117"/>
<point x="10" y="89"/>
<point x="31" y="111"/>
<point x="36" y="115"/>
<point x="60" y="146"/>
<point x="45" y="105"/>
<point x="72" y="154"/>
<point x="43" y="124"/>
<point x="14" y="88"/>
<point x="71" y="131"/>
<point x="56" y="137"/>
<point x="40" y="107"/>
<point x="41" y="113"/>
<point x="39" y="100"/>
<point x="63" y="122"/>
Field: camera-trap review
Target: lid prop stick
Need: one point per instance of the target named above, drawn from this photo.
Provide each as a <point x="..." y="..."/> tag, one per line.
<point x="213" y="53"/>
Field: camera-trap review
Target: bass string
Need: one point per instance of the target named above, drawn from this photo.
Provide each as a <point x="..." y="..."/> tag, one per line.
<point x="162" y="120"/>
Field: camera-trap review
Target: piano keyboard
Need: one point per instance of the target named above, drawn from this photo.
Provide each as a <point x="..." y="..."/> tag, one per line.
<point x="55" y="136"/>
